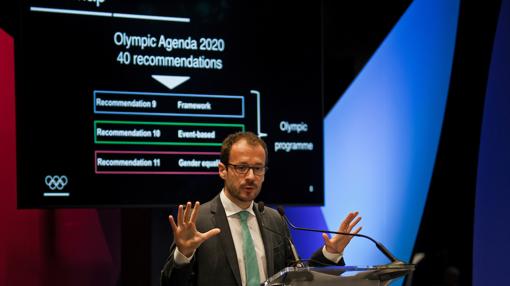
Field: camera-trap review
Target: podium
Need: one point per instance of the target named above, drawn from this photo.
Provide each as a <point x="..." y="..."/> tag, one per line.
<point x="340" y="275"/>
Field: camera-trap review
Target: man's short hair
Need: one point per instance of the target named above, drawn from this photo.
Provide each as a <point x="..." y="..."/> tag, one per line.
<point x="231" y="139"/>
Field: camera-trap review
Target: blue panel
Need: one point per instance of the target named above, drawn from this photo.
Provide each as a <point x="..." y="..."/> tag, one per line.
<point x="381" y="138"/>
<point x="306" y="242"/>
<point x="491" y="248"/>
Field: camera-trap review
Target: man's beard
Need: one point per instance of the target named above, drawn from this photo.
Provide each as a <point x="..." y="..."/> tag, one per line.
<point x="236" y="192"/>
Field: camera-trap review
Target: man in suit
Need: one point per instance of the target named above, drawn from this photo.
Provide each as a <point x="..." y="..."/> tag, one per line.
<point x="228" y="241"/>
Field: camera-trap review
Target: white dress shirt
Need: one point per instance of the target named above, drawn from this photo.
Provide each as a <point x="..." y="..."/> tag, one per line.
<point x="234" y="221"/>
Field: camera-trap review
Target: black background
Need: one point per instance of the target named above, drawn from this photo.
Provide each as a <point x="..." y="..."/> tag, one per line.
<point x="276" y="51"/>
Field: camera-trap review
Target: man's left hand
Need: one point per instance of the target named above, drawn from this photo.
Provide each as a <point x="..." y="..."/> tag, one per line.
<point x="337" y="243"/>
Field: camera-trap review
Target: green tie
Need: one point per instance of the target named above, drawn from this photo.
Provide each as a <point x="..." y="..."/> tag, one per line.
<point x="251" y="266"/>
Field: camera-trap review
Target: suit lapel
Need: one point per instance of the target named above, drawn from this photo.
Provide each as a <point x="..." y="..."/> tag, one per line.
<point x="219" y="219"/>
<point x="266" y="238"/>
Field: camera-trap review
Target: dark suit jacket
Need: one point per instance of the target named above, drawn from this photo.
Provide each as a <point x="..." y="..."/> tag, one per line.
<point x="215" y="261"/>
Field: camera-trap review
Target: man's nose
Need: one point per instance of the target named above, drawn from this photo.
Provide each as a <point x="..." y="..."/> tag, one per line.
<point x="250" y="174"/>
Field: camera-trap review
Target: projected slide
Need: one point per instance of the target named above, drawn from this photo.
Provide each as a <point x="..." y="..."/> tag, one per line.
<point x="127" y="103"/>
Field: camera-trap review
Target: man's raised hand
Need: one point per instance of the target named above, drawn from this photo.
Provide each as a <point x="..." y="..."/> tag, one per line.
<point x="186" y="236"/>
<point x="337" y="243"/>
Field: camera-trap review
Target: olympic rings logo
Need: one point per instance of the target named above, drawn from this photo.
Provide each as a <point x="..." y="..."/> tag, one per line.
<point x="56" y="182"/>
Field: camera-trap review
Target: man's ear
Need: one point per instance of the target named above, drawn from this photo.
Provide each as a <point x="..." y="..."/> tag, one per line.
<point x="222" y="170"/>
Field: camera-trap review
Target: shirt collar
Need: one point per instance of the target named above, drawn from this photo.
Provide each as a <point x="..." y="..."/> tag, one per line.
<point x="230" y="207"/>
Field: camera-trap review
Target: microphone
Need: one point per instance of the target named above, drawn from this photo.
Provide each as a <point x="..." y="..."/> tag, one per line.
<point x="298" y="262"/>
<point x="379" y="245"/>
<point x="261" y="207"/>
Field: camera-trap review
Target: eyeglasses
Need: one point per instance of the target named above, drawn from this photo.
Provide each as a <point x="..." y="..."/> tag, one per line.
<point x="242" y="169"/>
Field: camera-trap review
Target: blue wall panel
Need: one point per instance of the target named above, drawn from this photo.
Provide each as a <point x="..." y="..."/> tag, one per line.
<point x="491" y="248"/>
<point x="381" y="137"/>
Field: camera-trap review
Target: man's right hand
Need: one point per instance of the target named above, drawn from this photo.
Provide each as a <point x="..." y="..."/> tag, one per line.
<point x="186" y="236"/>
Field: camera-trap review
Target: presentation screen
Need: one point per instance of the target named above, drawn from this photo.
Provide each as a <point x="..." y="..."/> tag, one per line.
<point x="126" y="103"/>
